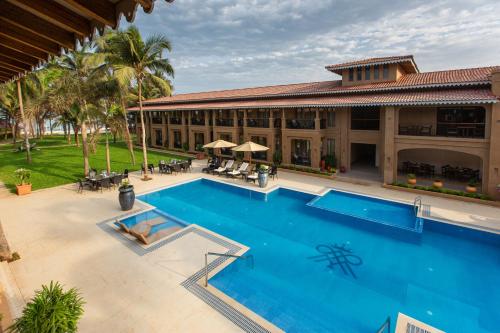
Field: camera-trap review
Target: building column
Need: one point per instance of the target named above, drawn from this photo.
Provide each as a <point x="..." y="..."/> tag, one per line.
<point x="206" y="139"/>
<point x="170" y="135"/>
<point x="163" y="130"/>
<point x="317" y="121"/>
<point x="285" y="144"/>
<point x="271" y="118"/>
<point x="389" y="162"/>
<point x="493" y="169"/>
<point x="344" y="159"/>
<point x="184" y="128"/>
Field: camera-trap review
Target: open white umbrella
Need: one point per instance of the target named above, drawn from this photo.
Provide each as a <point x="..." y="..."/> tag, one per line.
<point x="251" y="147"/>
<point x="218" y="144"/>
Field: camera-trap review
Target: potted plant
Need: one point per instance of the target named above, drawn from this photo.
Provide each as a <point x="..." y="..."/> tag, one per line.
<point x="263" y="175"/>
<point x="471" y="186"/>
<point x="23" y="177"/>
<point x="52" y="309"/>
<point x="126" y="196"/>
<point x="342" y="169"/>
<point x="411" y="179"/>
<point x="438" y="183"/>
<point x="200" y="152"/>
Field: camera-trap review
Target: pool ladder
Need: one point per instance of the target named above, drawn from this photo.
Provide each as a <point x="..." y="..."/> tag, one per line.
<point x="417" y="205"/>
<point x="386" y="326"/>
<point x="247" y="257"/>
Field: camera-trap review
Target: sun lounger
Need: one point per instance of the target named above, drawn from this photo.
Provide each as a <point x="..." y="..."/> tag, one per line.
<point x="243" y="167"/>
<point x="157" y="235"/>
<point x="253" y="177"/>
<point x="225" y="168"/>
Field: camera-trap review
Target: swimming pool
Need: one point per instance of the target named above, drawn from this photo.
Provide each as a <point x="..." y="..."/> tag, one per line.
<point x="313" y="273"/>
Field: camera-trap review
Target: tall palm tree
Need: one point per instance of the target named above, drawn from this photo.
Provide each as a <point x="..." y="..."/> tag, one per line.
<point x="104" y="47"/>
<point x="139" y="60"/>
<point x="78" y="72"/>
<point x="10" y="103"/>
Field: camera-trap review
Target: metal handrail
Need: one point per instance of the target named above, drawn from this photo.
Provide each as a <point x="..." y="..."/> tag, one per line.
<point x="386" y="324"/>
<point x="418" y="208"/>
<point x="247" y="257"/>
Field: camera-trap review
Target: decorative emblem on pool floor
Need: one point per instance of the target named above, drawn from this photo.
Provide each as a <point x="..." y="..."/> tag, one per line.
<point x="338" y="255"/>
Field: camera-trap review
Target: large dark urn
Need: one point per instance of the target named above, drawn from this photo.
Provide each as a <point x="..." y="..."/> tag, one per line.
<point x="126" y="197"/>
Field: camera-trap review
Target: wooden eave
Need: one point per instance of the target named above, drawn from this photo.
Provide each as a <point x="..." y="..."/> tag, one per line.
<point x="31" y="31"/>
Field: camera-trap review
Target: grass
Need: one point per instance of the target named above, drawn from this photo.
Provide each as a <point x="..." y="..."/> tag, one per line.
<point x="53" y="166"/>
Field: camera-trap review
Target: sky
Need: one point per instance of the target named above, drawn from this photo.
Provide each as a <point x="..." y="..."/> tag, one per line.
<point x="226" y="44"/>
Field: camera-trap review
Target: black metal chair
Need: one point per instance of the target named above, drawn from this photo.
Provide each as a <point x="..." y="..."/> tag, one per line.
<point x="125" y="173"/>
<point x="116" y="180"/>
<point x="82" y="184"/>
<point x="273" y="172"/>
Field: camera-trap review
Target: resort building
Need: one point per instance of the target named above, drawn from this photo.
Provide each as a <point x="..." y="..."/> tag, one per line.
<point x="382" y="118"/>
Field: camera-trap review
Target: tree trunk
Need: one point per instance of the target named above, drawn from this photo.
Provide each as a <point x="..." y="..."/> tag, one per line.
<point x="77" y="138"/>
<point x="108" y="161"/>
<point x="127" y="134"/>
<point x="143" y="128"/>
<point x="50" y="125"/>
<point x="21" y="108"/>
<point x="85" y="149"/>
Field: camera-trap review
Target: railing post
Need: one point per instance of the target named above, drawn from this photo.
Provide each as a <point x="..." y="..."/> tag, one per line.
<point x="206" y="270"/>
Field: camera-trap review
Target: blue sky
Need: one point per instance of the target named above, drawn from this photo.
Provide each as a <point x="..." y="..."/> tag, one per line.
<point x="224" y="44"/>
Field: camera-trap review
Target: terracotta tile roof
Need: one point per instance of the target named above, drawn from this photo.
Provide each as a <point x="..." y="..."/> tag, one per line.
<point x="415" y="97"/>
<point x="440" y="79"/>
<point x="374" y="61"/>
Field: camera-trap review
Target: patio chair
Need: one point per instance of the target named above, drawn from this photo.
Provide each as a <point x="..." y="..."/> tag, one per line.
<point x="273" y="172"/>
<point x="125" y="173"/>
<point x="103" y="183"/>
<point x="252" y="177"/>
<point x="176" y="167"/>
<point x="213" y="164"/>
<point x="426" y="130"/>
<point x="221" y="170"/>
<point x="92" y="173"/>
<point x="233" y="173"/>
<point x="116" y="180"/>
<point x="82" y="184"/>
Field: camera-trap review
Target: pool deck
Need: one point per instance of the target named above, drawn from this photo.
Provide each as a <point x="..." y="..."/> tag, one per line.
<point x="59" y="236"/>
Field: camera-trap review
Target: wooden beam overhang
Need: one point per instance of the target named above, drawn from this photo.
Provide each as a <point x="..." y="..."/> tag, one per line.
<point x="33" y="30"/>
<point x="19" y="18"/>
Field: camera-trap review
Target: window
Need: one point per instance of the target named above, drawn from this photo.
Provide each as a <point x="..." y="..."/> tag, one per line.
<point x="330" y="146"/>
<point x="367" y="73"/>
<point x="467" y="122"/>
<point x="359" y="74"/>
<point x="376" y="70"/>
<point x="386" y="71"/>
<point x="365" y="118"/>
<point x="301" y="152"/>
<point x="330" y="118"/>
<point x="351" y="74"/>
<point x="158" y="138"/>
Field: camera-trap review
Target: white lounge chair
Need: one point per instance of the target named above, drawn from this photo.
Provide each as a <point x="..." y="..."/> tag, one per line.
<point x="252" y="177"/>
<point x="243" y="167"/>
<point x="225" y="168"/>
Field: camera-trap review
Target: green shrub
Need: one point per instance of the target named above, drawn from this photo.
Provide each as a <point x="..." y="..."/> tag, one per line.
<point x="444" y="191"/>
<point x="51" y="310"/>
<point x="411" y="176"/>
<point x="330" y="161"/>
<point x="23" y="176"/>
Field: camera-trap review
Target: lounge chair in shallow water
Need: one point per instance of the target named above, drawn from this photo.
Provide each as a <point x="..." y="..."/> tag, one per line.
<point x="143" y="228"/>
<point x="225" y="168"/>
<point x="157" y="235"/>
<point x="243" y="167"/>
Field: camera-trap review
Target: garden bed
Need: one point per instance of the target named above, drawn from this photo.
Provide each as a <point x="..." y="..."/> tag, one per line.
<point x="307" y="171"/>
<point x="445" y="193"/>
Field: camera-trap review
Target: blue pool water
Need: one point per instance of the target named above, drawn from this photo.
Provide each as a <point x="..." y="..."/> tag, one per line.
<point x="449" y="279"/>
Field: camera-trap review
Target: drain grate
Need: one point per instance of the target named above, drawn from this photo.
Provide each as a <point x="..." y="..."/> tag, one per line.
<point x="411" y="328"/>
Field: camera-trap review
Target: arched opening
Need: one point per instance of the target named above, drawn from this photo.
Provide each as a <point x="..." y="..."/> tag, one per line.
<point x="454" y="168"/>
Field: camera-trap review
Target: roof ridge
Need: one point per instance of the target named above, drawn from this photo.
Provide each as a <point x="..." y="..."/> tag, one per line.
<point x="452" y="70"/>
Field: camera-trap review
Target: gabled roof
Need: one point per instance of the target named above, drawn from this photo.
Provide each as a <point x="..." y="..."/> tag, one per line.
<point x="400" y="98"/>
<point x="441" y="79"/>
<point x="406" y="60"/>
<point x="33" y="30"/>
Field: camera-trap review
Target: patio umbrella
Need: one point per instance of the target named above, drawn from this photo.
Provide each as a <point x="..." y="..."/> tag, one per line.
<point x="251" y="147"/>
<point x="218" y="144"/>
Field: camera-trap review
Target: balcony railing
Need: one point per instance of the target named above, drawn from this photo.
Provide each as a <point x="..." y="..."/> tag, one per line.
<point x="277" y="122"/>
<point x="156" y="120"/>
<point x="258" y="122"/>
<point x="176" y="121"/>
<point x="365" y="124"/>
<point x="300" y="123"/>
<point x="458" y="130"/>
<point x="226" y="122"/>
<point x="197" y="122"/>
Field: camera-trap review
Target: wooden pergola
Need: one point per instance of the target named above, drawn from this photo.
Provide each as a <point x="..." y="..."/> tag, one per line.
<point x="33" y="30"/>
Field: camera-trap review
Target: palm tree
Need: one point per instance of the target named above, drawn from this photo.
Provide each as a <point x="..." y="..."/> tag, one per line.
<point x="122" y="86"/>
<point x="76" y="82"/>
<point x="139" y="60"/>
<point x="10" y="103"/>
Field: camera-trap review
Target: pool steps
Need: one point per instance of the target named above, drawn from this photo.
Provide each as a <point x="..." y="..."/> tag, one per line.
<point x="407" y="324"/>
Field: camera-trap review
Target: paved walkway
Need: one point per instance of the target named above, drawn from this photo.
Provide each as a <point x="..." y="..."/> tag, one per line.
<point x="57" y="233"/>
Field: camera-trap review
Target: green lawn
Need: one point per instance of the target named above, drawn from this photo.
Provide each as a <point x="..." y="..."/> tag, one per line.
<point x="53" y="166"/>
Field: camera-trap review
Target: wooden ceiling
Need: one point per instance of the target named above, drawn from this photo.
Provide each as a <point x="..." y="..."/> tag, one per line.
<point x="33" y="30"/>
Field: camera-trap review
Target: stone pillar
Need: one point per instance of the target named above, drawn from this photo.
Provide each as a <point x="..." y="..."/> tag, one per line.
<point x="271" y="119"/>
<point x="163" y="129"/>
<point x="344" y="159"/>
<point x="493" y="169"/>
<point x="389" y="156"/>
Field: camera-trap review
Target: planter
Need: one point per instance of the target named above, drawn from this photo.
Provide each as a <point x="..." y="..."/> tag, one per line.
<point x="437" y="184"/>
<point x="200" y="156"/>
<point x="412" y="181"/>
<point x="470" y="189"/>
<point x="23" y="189"/>
<point x="263" y="178"/>
<point x="126" y="197"/>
